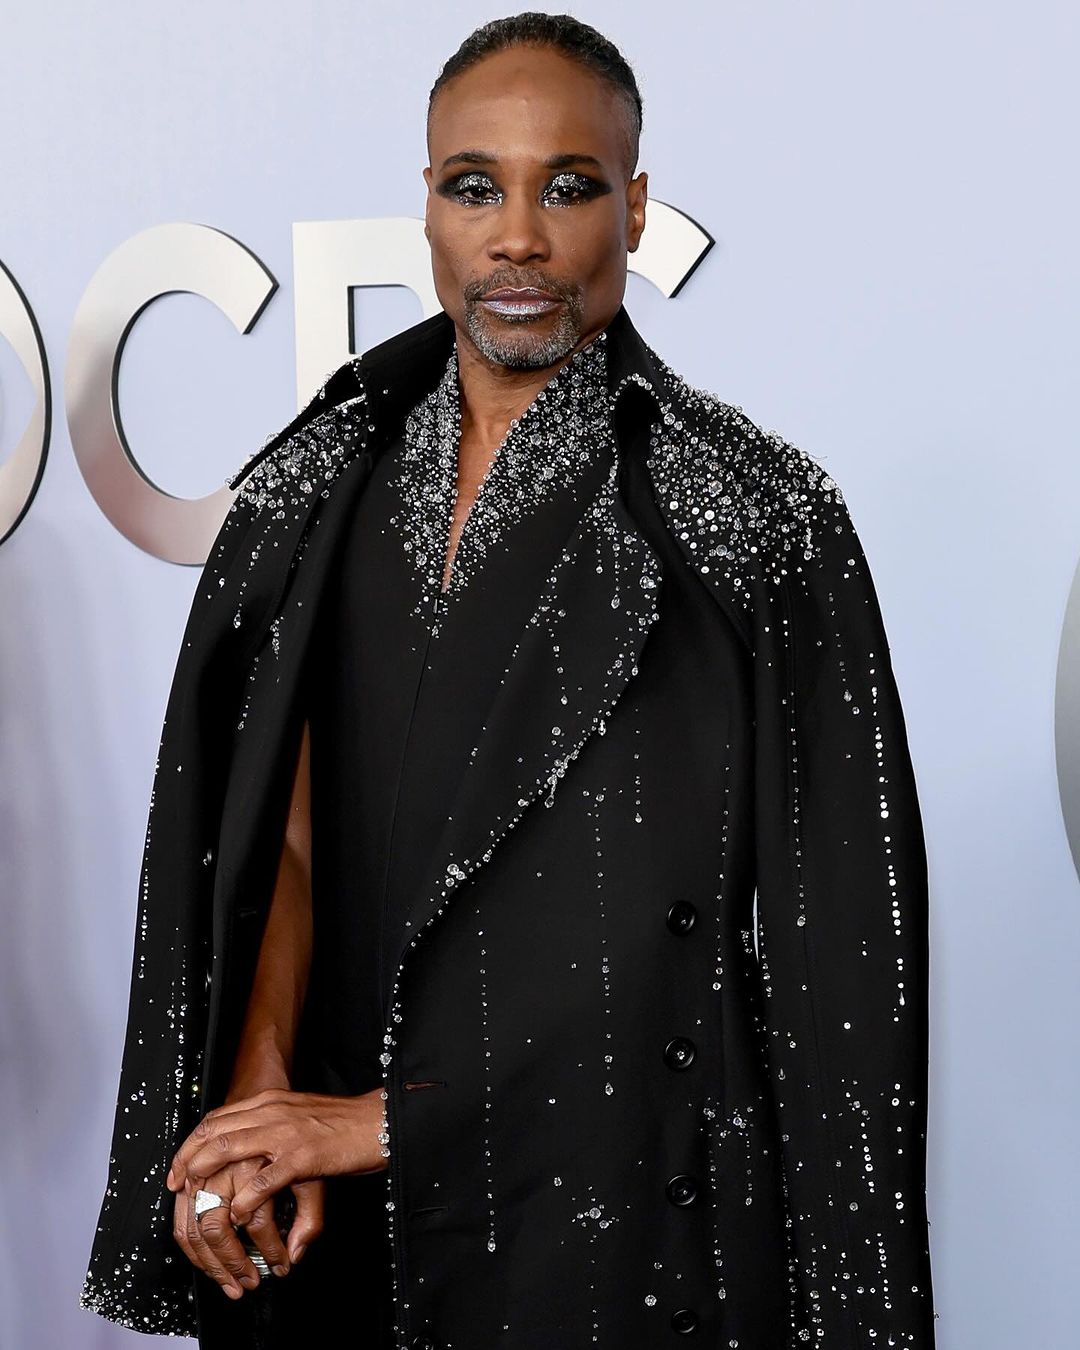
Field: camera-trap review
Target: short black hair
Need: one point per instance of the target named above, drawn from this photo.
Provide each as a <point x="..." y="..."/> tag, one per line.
<point x="566" y="34"/>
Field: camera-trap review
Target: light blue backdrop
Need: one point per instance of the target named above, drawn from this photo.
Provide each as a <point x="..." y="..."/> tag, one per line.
<point x="894" y="287"/>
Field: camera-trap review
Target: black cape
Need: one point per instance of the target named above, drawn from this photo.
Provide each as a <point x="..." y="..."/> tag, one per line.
<point x="831" y="823"/>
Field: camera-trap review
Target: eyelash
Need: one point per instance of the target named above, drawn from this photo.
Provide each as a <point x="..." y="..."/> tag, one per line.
<point x="586" y="187"/>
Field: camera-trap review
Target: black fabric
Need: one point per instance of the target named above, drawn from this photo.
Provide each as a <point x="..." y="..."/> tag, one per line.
<point x="707" y="654"/>
<point x="393" y="714"/>
<point x="393" y="711"/>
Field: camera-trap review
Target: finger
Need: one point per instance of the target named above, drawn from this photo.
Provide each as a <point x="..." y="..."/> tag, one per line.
<point x="263" y="1231"/>
<point x="267" y="1181"/>
<point x="221" y="1241"/>
<point x="310" y="1211"/>
<point x="202" y="1256"/>
<point x="234" y="1145"/>
<point x="212" y="1124"/>
<point x="203" y="1131"/>
<point x="181" y="1208"/>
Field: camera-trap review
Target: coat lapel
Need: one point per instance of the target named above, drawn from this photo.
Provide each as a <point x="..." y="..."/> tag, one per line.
<point x="575" y="656"/>
<point x="353" y="415"/>
<point x="580" y="647"/>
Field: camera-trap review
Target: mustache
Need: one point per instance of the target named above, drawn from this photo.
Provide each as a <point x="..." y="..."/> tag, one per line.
<point x="564" y="290"/>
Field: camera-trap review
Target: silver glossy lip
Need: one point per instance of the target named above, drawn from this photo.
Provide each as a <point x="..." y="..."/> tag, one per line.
<point x="514" y="293"/>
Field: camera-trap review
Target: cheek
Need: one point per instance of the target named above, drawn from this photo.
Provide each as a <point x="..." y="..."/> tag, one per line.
<point x="595" y="260"/>
<point x="597" y="244"/>
<point x="449" y="251"/>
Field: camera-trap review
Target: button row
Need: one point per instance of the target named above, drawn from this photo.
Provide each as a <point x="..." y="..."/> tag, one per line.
<point x="679" y="1053"/>
<point x="681" y="1189"/>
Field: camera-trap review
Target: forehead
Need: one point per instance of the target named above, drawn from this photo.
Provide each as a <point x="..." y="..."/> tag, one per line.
<point x="526" y="103"/>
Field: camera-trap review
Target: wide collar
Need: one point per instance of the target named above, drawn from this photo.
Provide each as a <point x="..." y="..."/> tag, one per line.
<point x="397" y="373"/>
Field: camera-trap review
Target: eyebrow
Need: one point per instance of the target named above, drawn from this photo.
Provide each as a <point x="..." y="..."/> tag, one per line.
<point x="552" y="162"/>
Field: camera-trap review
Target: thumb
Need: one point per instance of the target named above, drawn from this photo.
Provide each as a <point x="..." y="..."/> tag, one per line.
<point x="308" y="1221"/>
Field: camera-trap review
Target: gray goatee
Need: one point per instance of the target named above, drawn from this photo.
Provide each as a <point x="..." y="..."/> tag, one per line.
<point x="515" y="343"/>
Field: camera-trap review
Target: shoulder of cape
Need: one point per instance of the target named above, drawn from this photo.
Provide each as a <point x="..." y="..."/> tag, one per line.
<point x="338" y="405"/>
<point x="335" y="422"/>
<point x="751" y="510"/>
<point x="275" y="492"/>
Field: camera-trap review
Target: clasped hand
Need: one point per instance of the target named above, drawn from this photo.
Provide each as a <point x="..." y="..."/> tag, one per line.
<point x="248" y="1150"/>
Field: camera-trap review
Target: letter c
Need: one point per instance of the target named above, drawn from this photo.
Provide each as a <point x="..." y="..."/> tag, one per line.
<point x="21" y="474"/>
<point x="179" y="257"/>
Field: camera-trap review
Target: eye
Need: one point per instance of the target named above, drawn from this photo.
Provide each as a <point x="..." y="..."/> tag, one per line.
<point x="463" y="188"/>
<point x="573" y="187"/>
<point x="477" y="189"/>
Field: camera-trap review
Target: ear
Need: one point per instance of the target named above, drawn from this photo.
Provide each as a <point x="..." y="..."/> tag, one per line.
<point x="637" y="194"/>
<point x="427" y="203"/>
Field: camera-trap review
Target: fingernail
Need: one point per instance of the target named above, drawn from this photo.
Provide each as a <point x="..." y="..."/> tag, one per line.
<point x="299" y="1252"/>
<point x="232" y="1291"/>
<point x="280" y="1270"/>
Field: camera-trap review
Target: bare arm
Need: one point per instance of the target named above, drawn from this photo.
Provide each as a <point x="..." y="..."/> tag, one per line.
<point x="264" y="1060"/>
<point x="285" y="1138"/>
<point x="264" y="1057"/>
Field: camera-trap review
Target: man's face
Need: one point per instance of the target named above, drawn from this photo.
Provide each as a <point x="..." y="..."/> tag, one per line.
<point x="527" y="188"/>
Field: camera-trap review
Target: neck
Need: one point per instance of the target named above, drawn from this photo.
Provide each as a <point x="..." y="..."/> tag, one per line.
<point x="492" y="395"/>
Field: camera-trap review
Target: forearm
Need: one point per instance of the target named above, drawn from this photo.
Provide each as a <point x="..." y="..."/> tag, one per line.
<point x="264" y="1056"/>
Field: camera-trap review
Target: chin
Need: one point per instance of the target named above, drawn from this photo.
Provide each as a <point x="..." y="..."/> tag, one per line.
<point x="522" y="343"/>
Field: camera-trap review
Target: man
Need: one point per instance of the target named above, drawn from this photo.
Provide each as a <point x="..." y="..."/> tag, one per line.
<point x="519" y="672"/>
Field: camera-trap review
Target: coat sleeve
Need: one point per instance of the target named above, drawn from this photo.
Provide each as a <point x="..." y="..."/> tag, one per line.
<point x="137" y="1276"/>
<point x="842" y="917"/>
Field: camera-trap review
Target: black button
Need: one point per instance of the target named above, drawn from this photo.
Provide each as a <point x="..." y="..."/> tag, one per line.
<point x="422" y="1342"/>
<point x="684" y="1319"/>
<point x="681" y="916"/>
<point x="682" y="1189"/>
<point x="679" y="1052"/>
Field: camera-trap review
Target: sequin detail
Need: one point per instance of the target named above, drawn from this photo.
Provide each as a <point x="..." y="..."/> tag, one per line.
<point x="548" y="447"/>
<point x="839" y="953"/>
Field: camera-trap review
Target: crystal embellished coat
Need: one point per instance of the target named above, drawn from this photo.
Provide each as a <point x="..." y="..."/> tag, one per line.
<point x="751" y="1169"/>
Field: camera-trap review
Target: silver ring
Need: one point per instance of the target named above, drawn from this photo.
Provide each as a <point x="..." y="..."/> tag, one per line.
<point x="205" y="1200"/>
<point x="258" y="1260"/>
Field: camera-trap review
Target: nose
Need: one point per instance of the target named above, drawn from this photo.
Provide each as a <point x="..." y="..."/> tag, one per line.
<point x="519" y="232"/>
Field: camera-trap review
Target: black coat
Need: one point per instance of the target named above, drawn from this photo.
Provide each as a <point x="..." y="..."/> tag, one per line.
<point x="771" y="1167"/>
